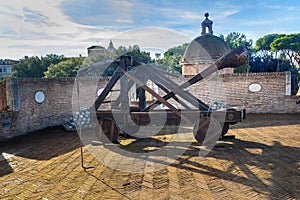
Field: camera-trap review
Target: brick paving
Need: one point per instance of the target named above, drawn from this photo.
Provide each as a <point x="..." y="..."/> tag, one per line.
<point x="262" y="162"/>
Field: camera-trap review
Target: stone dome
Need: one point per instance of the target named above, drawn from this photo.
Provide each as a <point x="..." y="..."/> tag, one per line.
<point x="204" y="50"/>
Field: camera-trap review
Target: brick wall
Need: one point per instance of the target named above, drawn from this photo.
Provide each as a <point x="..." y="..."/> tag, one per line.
<point x="271" y="98"/>
<point x="8" y="132"/>
<point x="234" y="90"/>
<point x="27" y="115"/>
<point x="52" y="111"/>
<point x="87" y="88"/>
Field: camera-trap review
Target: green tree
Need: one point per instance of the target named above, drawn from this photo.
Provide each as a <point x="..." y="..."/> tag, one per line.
<point x="65" y="68"/>
<point x="289" y="45"/>
<point x="172" y="58"/>
<point x="137" y="54"/>
<point x="278" y="48"/>
<point x="178" y="49"/>
<point x="133" y="51"/>
<point x="235" y="39"/>
<point x="277" y="52"/>
<point x="27" y="67"/>
<point x="263" y="45"/>
<point x="34" y="67"/>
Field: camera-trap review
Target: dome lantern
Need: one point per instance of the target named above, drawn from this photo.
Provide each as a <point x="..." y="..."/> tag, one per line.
<point x="207" y="24"/>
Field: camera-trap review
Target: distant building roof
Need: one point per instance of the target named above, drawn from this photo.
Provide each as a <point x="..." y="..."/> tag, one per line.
<point x="6" y="67"/>
<point x="7" y="61"/>
<point x="95" y="49"/>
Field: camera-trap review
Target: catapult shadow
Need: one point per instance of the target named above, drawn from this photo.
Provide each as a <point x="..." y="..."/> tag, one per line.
<point x="40" y="145"/>
<point x="281" y="161"/>
<point x="5" y="168"/>
<point x="278" y="160"/>
<point x="264" y="120"/>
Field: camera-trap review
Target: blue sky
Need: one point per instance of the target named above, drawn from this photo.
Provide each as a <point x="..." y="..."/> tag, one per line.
<point x="68" y="27"/>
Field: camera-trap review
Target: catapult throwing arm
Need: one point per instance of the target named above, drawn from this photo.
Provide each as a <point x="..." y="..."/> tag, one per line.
<point x="233" y="59"/>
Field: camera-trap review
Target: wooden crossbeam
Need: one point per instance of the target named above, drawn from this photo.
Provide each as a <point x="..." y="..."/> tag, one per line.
<point x="161" y="99"/>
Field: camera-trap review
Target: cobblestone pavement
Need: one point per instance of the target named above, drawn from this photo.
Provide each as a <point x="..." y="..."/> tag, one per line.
<point x="262" y="162"/>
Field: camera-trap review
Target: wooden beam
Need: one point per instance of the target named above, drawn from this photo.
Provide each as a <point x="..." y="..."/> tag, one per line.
<point x="162" y="100"/>
<point x="174" y="97"/>
<point x="233" y="59"/>
<point x="175" y="89"/>
<point x="107" y="89"/>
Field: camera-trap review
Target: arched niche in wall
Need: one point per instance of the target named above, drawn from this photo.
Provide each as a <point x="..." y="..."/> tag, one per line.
<point x="39" y="96"/>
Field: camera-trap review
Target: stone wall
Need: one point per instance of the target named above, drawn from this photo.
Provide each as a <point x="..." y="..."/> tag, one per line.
<point x="26" y="115"/>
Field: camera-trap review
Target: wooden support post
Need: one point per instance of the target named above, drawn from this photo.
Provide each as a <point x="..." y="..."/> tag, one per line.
<point x="142" y="98"/>
<point x="124" y="61"/>
<point x="107" y="89"/>
<point x="131" y="83"/>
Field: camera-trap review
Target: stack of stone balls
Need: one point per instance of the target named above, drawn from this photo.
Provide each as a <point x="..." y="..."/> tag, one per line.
<point x="83" y="117"/>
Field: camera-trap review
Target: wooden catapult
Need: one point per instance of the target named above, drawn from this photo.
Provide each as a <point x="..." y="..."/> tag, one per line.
<point x="140" y="114"/>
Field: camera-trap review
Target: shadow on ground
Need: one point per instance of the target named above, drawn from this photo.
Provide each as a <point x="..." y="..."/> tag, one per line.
<point x="41" y="145"/>
<point x="264" y="120"/>
<point x="279" y="162"/>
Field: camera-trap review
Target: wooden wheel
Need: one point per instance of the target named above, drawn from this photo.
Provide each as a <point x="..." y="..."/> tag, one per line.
<point x="201" y="129"/>
<point x="225" y="129"/>
<point x="109" y="129"/>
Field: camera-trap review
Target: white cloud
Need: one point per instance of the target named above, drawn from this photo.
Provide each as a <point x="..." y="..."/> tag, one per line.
<point x="191" y="16"/>
<point x="151" y="37"/>
<point x="41" y="27"/>
<point x="123" y="10"/>
<point x="69" y="26"/>
<point x="124" y="21"/>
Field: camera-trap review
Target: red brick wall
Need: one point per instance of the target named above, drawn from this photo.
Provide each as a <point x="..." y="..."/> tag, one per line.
<point x="191" y="70"/>
<point x="233" y="89"/>
<point x="57" y="108"/>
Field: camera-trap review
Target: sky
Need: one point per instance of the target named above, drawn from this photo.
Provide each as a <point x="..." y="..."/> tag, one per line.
<point x="68" y="27"/>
